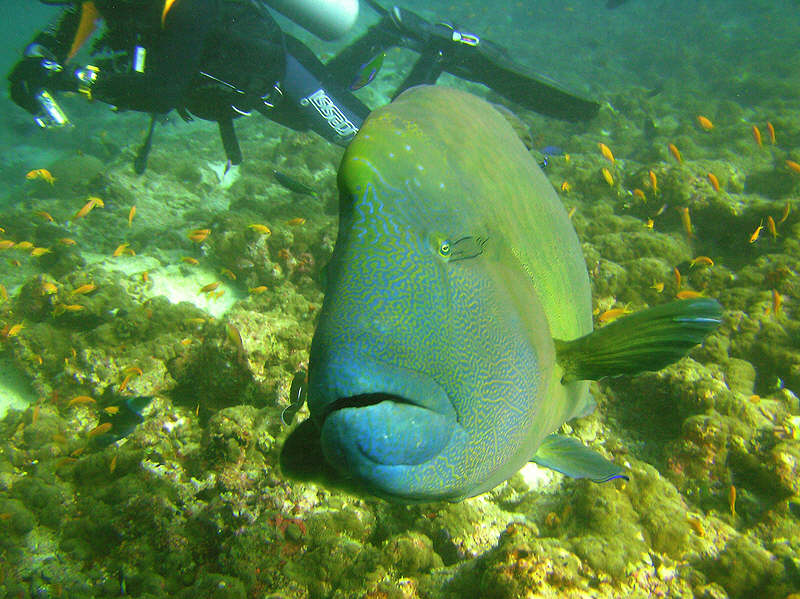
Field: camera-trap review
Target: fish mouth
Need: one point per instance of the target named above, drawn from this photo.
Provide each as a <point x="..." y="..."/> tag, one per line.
<point x="364" y="400"/>
<point x="352" y="381"/>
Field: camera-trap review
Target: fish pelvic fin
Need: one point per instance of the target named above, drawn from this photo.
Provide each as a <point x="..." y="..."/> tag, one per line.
<point x="570" y="457"/>
<point x="647" y="340"/>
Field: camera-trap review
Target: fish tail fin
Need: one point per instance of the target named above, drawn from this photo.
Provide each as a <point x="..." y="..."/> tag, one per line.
<point x="646" y="340"/>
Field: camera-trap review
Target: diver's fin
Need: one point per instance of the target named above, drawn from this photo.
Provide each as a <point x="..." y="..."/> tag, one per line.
<point x="646" y="340"/>
<point x="570" y="457"/>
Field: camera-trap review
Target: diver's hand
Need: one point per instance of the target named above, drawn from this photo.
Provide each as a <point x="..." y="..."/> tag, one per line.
<point x="27" y="78"/>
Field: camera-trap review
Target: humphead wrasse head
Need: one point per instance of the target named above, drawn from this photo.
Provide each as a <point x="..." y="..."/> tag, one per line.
<point x="432" y="372"/>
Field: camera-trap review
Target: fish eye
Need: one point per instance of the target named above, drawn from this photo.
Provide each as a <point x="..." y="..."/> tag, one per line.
<point x="444" y="248"/>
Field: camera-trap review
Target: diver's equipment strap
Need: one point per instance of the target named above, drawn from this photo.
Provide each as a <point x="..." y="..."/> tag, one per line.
<point x="140" y="163"/>
<point x="325" y="115"/>
<point x="425" y="71"/>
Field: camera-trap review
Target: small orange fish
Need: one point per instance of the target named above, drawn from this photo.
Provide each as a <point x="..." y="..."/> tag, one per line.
<point x="771" y="132"/>
<point x="696" y="525"/>
<point x="131" y="214"/>
<point x="195" y="321"/>
<point x="72" y="307"/>
<point x="6" y="244"/>
<point x="133" y="370"/>
<point x="658" y="286"/>
<point x="673" y="149"/>
<point x="773" y="230"/>
<point x="100" y="429"/>
<point x="612" y="314"/>
<point x="35" y="414"/>
<point x="83" y="289"/>
<point x="124" y="384"/>
<point x="41" y="173"/>
<point x="45" y="215"/>
<point x="606" y="152"/>
<point x="785" y="214"/>
<point x="732" y="500"/>
<point x="777" y="302"/>
<point x="714" y="181"/>
<point x="3" y="294"/>
<point x="571" y="212"/>
<point x="294" y="222"/>
<point x="688" y="294"/>
<point x="228" y="273"/>
<point x="704" y="260"/>
<point x="67" y="241"/>
<point x="704" y="122"/>
<point x="209" y="287"/>
<point x="638" y="193"/>
<point x="757" y="232"/>
<point x="87" y="208"/>
<point x="199" y="235"/>
<point x="121" y="249"/>
<point x="649" y="223"/>
<point x="686" y="220"/>
<point x="113" y="464"/>
<point x="189" y="260"/>
<point x="608" y="177"/>
<point x="654" y="182"/>
<point x="111" y="410"/>
<point x="24" y="246"/>
<point x="80" y="400"/>
<point x="186" y="342"/>
<point x="263" y="229"/>
<point x="793" y="166"/>
<point x="757" y="136"/>
<point x="36" y="252"/>
<point x="215" y="295"/>
<point x="145" y="276"/>
<point x="677" y="274"/>
<point x="566" y="187"/>
<point x="257" y="290"/>
<point x="77" y="452"/>
<point x="15" y="329"/>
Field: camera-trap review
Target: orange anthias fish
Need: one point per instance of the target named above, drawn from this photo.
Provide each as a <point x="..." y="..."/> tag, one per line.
<point x="771" y="131"/>
<point x="714" y="181"/>
<point x="793" y="166"/>
<point x="673" y="149"/>
<point x="608" y="176"/>
<point x="299" y="220"/>
<point x="41" y="173"/>
<point x="131" y="214"/>
<point x="83" y="289"/>
<point x="704" y="122"/>
<point x="606" y="152"/>
<point x="757" y="136"/>
<point x="686" y="220"/>
<point x="88" y="206"/>
<point x="773" y="230"/>
<point x="757" y="232"/>
<point x="653" y="182"/>
<point x="199" y="235"/>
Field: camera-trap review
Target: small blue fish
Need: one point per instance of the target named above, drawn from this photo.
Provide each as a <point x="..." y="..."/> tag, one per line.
<point x="367" y="71"/>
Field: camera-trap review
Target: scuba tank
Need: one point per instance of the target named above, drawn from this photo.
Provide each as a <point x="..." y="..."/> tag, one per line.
<point x="327" y="19"/>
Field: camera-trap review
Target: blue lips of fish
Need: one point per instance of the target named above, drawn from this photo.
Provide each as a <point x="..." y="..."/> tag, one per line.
<point x="455" y="286"/>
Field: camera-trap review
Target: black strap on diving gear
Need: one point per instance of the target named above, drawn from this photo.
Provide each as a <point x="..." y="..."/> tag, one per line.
<point x="140" y="162"/>
<point x="425" y="71"/>
<point x="229" y="141"/>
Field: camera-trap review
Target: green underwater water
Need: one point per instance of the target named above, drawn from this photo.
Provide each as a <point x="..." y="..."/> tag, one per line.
<point x="193" y="504"/>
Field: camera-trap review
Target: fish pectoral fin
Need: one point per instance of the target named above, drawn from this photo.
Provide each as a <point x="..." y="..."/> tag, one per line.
<point x="570" y="457"/>
<point x="647" y="340"/>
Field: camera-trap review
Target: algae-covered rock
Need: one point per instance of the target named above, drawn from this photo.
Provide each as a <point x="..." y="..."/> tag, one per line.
<point x="410" y="554"/>
<point x="745" y="569"/>
<point x="215" y="586"/>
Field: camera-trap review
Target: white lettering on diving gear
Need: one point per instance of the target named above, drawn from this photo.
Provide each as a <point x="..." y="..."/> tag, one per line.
<point x="330" y="112"/>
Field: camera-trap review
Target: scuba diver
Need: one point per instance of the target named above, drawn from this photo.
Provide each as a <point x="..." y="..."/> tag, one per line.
<point x="221" y="59"/>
